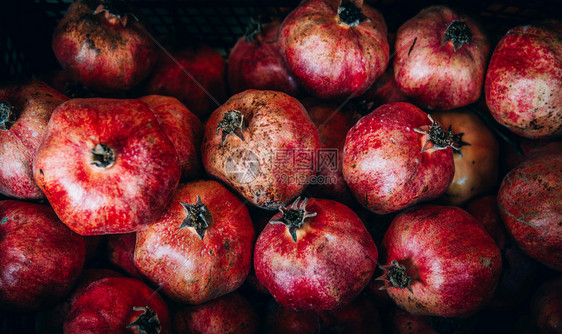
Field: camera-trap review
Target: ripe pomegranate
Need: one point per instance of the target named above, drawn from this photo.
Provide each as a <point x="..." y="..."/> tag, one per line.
<point x="184" y="130"/>
<point x="524" y="78"/>
<point x="529" y="202"/>
<point x="397" y="156"/>
<point x="315" y="256"/>
<point x="106" y="166"/>
<point x="195" y="75"/>
<point x="201" y="246"/>
<point x="25" y="110"/>
<point x="476" y="161"/>
<point x="333" y="123"/>
<point x="41" y="258"/>
<point x="439" y="260"/>
<point x="336" y="48"/>
<point x="263" y="145"/>
<point x="441" y="58"/>
<point x="231" y="313"/>
<point x="103" y="45"/>
<point x="255" y="62"/>
<point x="118" y="305"/>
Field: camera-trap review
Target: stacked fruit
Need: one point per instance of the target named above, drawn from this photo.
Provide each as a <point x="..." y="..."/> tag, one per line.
<point x="349" y="184"/>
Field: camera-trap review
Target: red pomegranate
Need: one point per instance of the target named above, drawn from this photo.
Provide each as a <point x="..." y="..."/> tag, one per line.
<point x="103" y="45"/>
<point x="255" y="62"/>
<point x="41" y="258"/>
<point x="118" y="305"/>
<point x="262" y="144"/>
<point x="201" y="246"/>
<point x="524" y="78"/>
<point x="397" y="156"/>
<point x="106" y="166"/>
<point x="439" y="260"/>
<point x="25" y="110"/>
<point x="195" y="75"/>
<point x="336" y="48"/>
<point x="441" y="58"/>
<point x="529" y="202"/>
<point x="315" y="256"/>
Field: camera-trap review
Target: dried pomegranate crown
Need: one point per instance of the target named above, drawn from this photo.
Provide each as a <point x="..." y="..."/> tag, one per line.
<point x="439" y="138"/>
<point x="294" y="216"/>
<point x="198" y="217"/>
<point x="115" y="11"/>
<point x="232" y="123"/>
<point x="7" y="115"/>
<point x="147" y="322"/>
<point x="394" y="276"/>
<point x="457" y="32"/>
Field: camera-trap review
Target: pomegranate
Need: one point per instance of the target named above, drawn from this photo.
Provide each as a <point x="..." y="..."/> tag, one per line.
<point x="184" y="130"/>
<point x="315" y="256"/>
<point x="201" y="246"/>
<point x="195" y="75"/>
<point x="118" y="305"/>
<point x="25" y="110"/>
<point x="529" y="202"/>
<point x="397" y="156"/>
<point x="476" y="161"/>
<point x="255" y="62"/>
<point x="439" y="260"/>
<point x="336" y="48"/>
<point x="106" y="166"/>
<point x="262" y="144"/>
<point x="231" y="313"/>
<point x="103" y="45"/>
<point x="524" y="78"/>
<point x="441" y="58"/>
<point x="41" y="258"/>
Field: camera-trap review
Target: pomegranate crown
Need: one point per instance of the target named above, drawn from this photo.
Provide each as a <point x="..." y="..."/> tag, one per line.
<point x="439" y="138"/>
<point x="115" y="11"/>
<point x="294" y="216"/>
<point x="232" y="123"/>
<point x="147" y="322"/>
<point x="394" y="276"/>
<point x="198" y="216"/>
<point x="7" y="115"/>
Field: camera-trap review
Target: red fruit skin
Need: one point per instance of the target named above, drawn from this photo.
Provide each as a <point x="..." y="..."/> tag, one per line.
<point x="529" y="203"/>
<point x="280" y="320"/>
<point x="184" y="129"/>
<point x="485" y="210"/>
<point x="51" y="321"/>
<point x="431" y="72"/>
<point x="524" y="78"/>
<point x="121" y="252"/>
<point x="277" y="128"/>
<point x="122" y="198"/>
<point x="453" y="263"/>
<point x="333" y="124"/>
<point x="332" y="260"/>
<point x="257" y="64"/>
<point x="331" y="59"/>
<point x="191" y="270"/>
<point x="201" y="89"/>
<point x="231" y="313"/>
<point x="41" y="258"/>
<point x="546" y="307"/>
<point x="34" y="102"/>
<point x="102" y="55"/>
<point x="383" y="164"/>
<point x="107" y="306"/>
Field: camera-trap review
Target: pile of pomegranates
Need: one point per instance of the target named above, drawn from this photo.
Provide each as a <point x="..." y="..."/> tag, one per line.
<point x="326" y="175"/>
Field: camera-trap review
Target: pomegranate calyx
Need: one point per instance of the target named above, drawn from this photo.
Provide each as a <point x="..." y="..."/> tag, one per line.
<point x="349" y="12"/>
<point x="459" y="143"/>
<point x="115" y="11"/>
<point x="253" y="29"/>
<point x="198" y="217"/>
<point x="232" y="123"/>
<point x="102" y="156"/>
<point x="294" y="216"/>
<point x="147" y="322"/>
<point x="437" y="137"/>
<point x="394" y="276"/>
<point x="459" y="33"/>
<point x="7" y="115"/>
